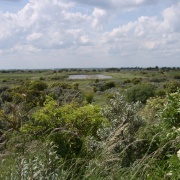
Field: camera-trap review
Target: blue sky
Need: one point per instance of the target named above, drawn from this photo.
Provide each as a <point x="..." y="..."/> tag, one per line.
<point x="91" y="33"/>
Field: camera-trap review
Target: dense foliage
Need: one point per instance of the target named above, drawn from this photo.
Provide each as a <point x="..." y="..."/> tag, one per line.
<point x="55" y="130"/>
<point x="140" y="92"/>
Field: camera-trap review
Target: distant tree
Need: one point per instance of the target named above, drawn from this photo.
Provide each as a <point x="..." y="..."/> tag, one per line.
<point x="157" y="68"/>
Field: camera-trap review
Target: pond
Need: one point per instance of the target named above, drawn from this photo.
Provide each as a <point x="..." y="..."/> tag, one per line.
<point x="83" y="76"/>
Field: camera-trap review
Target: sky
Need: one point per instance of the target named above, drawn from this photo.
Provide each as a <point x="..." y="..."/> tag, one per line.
<point x="43" y="34"/>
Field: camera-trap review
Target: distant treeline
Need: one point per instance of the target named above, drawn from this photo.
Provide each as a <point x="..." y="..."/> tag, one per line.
<point x="87" y="69"/>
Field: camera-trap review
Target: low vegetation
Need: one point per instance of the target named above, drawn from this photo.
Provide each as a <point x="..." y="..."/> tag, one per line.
<point x="126" y="127"/>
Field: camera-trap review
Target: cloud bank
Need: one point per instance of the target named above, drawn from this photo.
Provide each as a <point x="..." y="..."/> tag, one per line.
<point x="59" y="33"/>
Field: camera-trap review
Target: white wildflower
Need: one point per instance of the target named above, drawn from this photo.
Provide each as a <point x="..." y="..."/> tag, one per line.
<point x="178" y="154"/>
<point x="168" y="175"/>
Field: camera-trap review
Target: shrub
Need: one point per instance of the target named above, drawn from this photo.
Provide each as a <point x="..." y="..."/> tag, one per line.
<point x="89" y="97"/>
<point x="140" y="93"/>
<point x="161" y="92"/>
<point x="95" y="89"/>
<point x="118" y="144"/>
<point x="75" y="86"/>
<point x="37" y="85"/>
<point x="157" y="80"/>
<point x="177" y="76"/>
<point x="17" y="98"/>
<point x="41" y="78"/>
<point x="61" y="85"/>
<point x="109" y="85"/>
<point x="127" y="81"/>
<point x="66" y="126"/>
<point x="105" y="86"/>
<point x="4" y="80"/>
<point x="170" y="114"/>
<point x="6" y="96"/>
<point x="43" y="163"/>
<point x="136" y="81"/>
<point x="110" y="96"/>
<point x="150" y="113"/>
<point x="173" y="86"/>
<point x="3" y="88"/>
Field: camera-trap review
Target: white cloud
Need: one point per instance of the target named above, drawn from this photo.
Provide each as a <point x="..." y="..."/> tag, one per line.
<point x="145" y="35"/>
<point x="48" y="21"/>
<point x="171" y="18"/>
<point x="120" y="4"/>
<point x="91" y="30"/>
<point x="100" y="16"/>
<point x="34" y="36"/>
<point x="84" y="39"/>
<point x="19" y="48"/>
<point x="74" y="32"/>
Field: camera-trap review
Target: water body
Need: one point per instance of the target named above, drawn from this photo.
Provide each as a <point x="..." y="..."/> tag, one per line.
<point x="83" y="76"/>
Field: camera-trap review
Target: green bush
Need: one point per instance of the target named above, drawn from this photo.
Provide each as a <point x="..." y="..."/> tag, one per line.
<point x="103" y="86"/>
<point x="136" y="81"/>
<point x="173" y="86"/>
<point x="162" y="140"/>
<point x="160" y="92"/>
<point x="118" y="147"/>
<point x="109" y="85"/>
<point x="3" y="88"/>
<point x="41" y="78"/>
<point x="177" y="76"/>
<point x="75" y="86"/>
<point x="150" y="112"/>
<point x="37" y="85"/>
<point x="140" y="93"/>
<point x="41" y="162"/>
<point x="66" y="126"/>
<point x="62" y="85"/>
<point x="18" y="98"/>
<point x="4" y="80"/>
<point x="127" y="81"/>
<point x="89" y="97"/>
<point x="170" y="114"/>
<point x="6" y="96"/>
